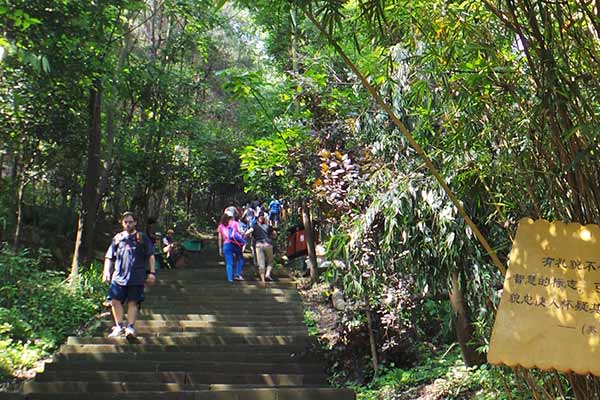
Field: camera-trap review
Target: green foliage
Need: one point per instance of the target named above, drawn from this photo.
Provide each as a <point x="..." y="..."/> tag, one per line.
<point x="445" y="376"/>
<point x="38" y="308"/>
<point x="168" y="134"/>
<point x="267" y="165"/>
<point x="310" y="319"/>
<point x="433" y="320"/>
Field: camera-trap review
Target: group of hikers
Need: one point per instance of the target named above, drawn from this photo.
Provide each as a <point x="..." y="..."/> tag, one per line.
<point x="253" y="228"/>
<point x="130" y="263"/>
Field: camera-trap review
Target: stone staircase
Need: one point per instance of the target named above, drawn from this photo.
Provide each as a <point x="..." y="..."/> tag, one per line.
<point x="200" y="338"/>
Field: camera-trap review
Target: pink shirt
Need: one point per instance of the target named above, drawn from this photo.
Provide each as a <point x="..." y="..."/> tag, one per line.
<point x="224" y="230"/>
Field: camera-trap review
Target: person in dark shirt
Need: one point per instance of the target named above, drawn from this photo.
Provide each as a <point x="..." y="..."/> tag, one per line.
<point x="128" y="265"/>
<point x="171" y="248"/>
<point x="262" y="233"/>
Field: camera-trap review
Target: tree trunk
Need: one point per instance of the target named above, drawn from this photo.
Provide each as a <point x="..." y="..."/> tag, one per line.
<point x="188" y="204"/>
<point x="84" y="245"/>
<point x="464" y="329"/>
<point x="78" y="248"/>
<point x="310" y="241"/>
<point x="2" y="157"/>
<point x="111" y="125"/>
<point x="294" y="50"/>
<point x="19" y="214"/>
<point x="372" y="343"/>
<point x="107" y="164"/>
<point x="15" y="168"/>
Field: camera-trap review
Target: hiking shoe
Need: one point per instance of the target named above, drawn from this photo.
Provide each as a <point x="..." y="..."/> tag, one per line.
<point x="269" y="279"/>
<point x="130" y="332"/>
<point x="239" y="278"/>
<point x="117" y="331"/>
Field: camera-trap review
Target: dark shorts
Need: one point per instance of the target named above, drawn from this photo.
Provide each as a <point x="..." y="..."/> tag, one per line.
<point x="274" y="216"/>
<point x="126" y="293"/>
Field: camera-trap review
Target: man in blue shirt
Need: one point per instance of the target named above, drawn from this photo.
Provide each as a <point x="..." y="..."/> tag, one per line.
<point x="128" y="265"/>
<point x="274" y="212"/>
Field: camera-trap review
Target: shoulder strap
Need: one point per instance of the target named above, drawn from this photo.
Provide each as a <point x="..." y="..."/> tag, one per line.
<point x="265" y="232"/>
<point x="118" y="238"/>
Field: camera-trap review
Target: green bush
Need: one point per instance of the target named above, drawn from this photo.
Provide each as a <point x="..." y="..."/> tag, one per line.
<point x="39" y="307"/>
<point x="451" y="380"/>
<point x="310" y="319"/>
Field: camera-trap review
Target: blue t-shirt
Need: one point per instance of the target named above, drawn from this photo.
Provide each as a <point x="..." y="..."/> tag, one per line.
<point x="131" y="254"/>
<point x="274" y="206"/>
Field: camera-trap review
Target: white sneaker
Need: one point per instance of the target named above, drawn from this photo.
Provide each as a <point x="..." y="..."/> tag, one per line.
<point x="117" y="331"/>
<point x="130" y="332"/>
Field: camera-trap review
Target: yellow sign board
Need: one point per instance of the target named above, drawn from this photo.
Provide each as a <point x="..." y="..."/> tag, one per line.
<point x="549" y="314"/>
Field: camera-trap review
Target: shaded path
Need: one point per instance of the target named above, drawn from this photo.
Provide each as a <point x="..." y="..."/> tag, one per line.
<point x="200" y="338"/>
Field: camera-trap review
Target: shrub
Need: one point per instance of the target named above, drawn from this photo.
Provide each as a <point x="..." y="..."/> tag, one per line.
<point x="39" y="308"/>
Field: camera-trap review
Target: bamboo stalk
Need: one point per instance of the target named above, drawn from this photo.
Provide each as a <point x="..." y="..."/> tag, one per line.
<point x="544" y="388"/>
<point x="530" y="384"/>
<point x="559" y="385"/>
<point x="373" y="345"/>
<point x="506" y="386"/>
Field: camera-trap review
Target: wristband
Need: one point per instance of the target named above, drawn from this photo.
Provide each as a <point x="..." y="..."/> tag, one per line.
<point x="151" y="273"/>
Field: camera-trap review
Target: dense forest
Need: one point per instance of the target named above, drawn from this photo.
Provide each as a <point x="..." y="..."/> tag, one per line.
<point x="415" y="133"/>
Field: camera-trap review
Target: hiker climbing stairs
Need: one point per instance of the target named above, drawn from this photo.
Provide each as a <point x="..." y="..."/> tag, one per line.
<point x="199" y="337"/>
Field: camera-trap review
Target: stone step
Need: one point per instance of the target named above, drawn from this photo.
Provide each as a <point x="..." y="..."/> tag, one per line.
<point x="241" y="288"/>
<point x="262" y="357"/>
<point x="299" y="348"/>
<point x="197" y="340"/>
<point x="148" y="315"/>
<point x="230" y="292"/>
<point x="224" y="307"/>
<point x="145" y="331"/>
<point x="224" y="285"/>
<point x="263" y="329"/>
<point x="218" y="292"/>
<point x="210" y="334"/>
<point x="218" y="268"/>
<point x="232" y="298"/>
<point x="183" y="324"/>
<point x="200" y="293"/>
<point x="216" y="275"/>
<point x="121" y="386"/>
<point x="314" y="393"/>
<point x="199" y="378"/>
<point x="12" y="396"/>
<point x="107" y="387"/>
<point x="246" y="314"/>
<point x="241" y="303"/>
<point x="255" y="313"/>
<point x="220" y="280"/>
<point x="187" y="366"/>
<point x="218" y="298"/>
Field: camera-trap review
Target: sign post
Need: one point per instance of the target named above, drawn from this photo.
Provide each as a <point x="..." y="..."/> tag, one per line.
<point x="549" y="314"/>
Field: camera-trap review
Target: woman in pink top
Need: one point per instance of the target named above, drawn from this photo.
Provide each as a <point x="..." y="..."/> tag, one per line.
<point x="228" y="248"/>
